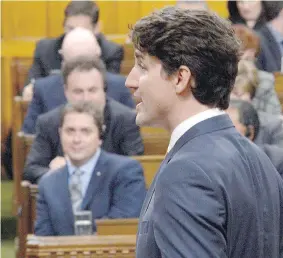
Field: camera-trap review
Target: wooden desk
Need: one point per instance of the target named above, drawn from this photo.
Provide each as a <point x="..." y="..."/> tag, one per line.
<point x="117" y="246"/>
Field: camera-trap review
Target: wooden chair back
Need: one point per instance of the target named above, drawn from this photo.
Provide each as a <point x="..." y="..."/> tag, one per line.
<point x="116" y="226"/>
<point x="150" y="164"/>
<point x="26" y="215"/>
<point x="19" y="70"/>
<point x="129" y="59"/>
<point x="21" y="146"/>
<point x="279" y="86"/>
<point x="156" y="140"/>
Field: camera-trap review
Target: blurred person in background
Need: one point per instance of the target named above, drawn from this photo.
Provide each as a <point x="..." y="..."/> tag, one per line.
<point x="192" y="5"/>
<point x="270" y="57"/>
<point x="245" y="87"/>
<point x="254" y="14"/>
<point x="108" y="185"/>
<point x="265" y="98"/>
<point x="84" y="80"/>
<point x="49" y="91"/>
<point x="47" y="59"/>
<point x="247" y="122"/>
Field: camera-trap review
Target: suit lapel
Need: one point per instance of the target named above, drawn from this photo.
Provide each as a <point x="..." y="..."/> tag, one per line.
<point x="64" y="195"/>
<point x="94" y="182"/>
<point x="209" y="125"/>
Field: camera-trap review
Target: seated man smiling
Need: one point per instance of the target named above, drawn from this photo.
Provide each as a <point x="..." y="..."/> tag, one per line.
<point x="108" y="185"/>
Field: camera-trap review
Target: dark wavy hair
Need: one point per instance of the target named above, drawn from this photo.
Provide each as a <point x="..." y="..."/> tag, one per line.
<point x="87" y="8"/>
<point x="200" y="40"/>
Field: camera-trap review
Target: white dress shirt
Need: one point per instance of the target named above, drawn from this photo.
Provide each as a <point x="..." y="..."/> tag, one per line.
<point x="190" y="122"/>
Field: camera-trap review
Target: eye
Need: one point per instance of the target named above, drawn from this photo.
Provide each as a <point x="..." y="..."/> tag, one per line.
<point x="141" y="66"/>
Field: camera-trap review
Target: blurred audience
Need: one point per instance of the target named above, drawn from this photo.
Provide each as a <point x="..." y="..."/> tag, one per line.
<point x="247" y="122"/>
<point x="192" y="5"/>
<point x="271" y="129"/>
<point x="270" y="58"/>
<point x="47" y="58"/>
<point x="108" y="185"/>
<point x="254" y="13"/>
<point x="265" y="98"/>
<point x="49" y="91"/>
<point x="121" y="134"/>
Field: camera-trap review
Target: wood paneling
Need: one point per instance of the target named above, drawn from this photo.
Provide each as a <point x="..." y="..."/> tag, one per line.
<point x="24" y="19"/>
<point x="25" y="22"/>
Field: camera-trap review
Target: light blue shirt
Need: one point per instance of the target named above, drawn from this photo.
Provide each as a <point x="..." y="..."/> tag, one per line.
<point x="87" y="169"/>
<point x="277" y="36"/>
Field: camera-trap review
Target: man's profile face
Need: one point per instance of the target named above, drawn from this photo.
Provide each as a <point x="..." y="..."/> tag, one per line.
<point x="152" y="90"/>
<point x="82" y="21"/>
<point x="79" y="137"/>
<point x="85" y="86"/>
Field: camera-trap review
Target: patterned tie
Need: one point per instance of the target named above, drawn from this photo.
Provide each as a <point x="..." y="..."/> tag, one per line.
<point x="75" y="188"/>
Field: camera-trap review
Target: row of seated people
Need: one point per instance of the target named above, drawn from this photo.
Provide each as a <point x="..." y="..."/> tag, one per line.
<point x="266" y="19"/>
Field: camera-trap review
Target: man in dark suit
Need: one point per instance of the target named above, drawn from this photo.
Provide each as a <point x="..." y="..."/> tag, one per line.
<point x="108" y="185"/>
<point x="121" y="135"/>
<point x="216" y="194"/>
<point x="247" y="122"/>
<point x="77" y="14"/>
<point x="271" y="40"/>
<point x="48" y="92"/>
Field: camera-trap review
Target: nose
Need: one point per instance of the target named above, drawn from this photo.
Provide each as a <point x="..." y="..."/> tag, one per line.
<point x="132" y="81"/>
<point x="86" y="96"/>
<point x="76" y="138"/>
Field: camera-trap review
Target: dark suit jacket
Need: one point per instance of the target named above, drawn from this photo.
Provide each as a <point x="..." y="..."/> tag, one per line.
<point x="49" y="94"/>
<point x="269" y="58"/>
<point x="122" y="136"/>
<point x="47" y="60"/>
<point x="118" y="192"/>
<point x="276" y="156"/>
<point x="271" y="130"/>
<point x="215" y="195"/>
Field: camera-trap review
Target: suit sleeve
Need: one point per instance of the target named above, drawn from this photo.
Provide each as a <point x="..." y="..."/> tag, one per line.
<point x="34" y="110"/>
<point x="131" y="143"/>
<point x="188" y="215"/>
<point x="128" y="191"/>
<point x="40" y="155"/>
<point x="113" y="63"/>
<point x="43" y="225"/>
<point x="36" y="70"/>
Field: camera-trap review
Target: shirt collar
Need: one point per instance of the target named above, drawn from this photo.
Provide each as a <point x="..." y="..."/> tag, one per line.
<point x="88" y="167"/>
<point x="190" y="122"/>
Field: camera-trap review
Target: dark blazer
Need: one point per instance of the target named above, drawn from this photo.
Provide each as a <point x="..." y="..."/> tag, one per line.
<point x="118" y="191"/>
<point x="49" y="93"/>
<point x="47" y="59"/>
<point x="269" y="57"/>
<point x="121" y="136"/>
<point x="216" y="194"/>
<point x="276" y="156"/>
<point x="271" y="130"/>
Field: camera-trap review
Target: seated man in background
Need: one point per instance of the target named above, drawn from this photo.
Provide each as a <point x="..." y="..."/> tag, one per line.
<point x="84" y="80"/>
<point x="108" y="185"/>
<point x="77" y="14"/>
<point x="246" y="121"/>
<point x="49" y="91"/>
<point x="265" y="98"/>
<point x="245" y="87"/>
